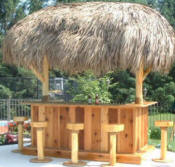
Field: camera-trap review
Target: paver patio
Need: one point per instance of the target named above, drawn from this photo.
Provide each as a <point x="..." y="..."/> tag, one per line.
<point x="9" y="159"/>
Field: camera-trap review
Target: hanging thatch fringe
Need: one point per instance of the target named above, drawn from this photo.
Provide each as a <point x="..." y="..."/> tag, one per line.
<point x="100" y="36"/>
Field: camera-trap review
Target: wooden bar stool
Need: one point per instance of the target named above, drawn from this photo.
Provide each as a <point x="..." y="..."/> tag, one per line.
<point x="164" y="126"/>
<point x="40" y="142"/>
<point x="112" y="129"/>
<point x="20" y="122"/>
<point x="74" y="128"/>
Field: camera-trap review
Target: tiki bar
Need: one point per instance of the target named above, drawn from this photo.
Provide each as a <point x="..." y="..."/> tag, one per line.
<point x="101" y="37"/>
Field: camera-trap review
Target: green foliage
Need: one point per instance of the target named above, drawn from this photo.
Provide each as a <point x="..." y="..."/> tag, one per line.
<point x="155" y="133"/>
<point x="123" y="87"/>
<point x="82" y="86"/>
<point x="5" y="92"/>
<point x="2" y="139"/>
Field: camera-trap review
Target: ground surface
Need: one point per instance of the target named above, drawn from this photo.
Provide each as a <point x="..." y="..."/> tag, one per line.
<point x="9" y="159"/>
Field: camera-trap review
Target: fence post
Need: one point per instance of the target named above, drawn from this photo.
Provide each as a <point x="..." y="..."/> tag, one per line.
<point x="8" y="109"/>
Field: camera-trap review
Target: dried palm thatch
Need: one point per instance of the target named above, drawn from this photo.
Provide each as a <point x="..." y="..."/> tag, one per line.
<point x="100" y="36"/>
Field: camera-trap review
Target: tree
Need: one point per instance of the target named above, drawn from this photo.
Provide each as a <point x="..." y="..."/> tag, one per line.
<point x="167" y="8"/>
<point x="86" y="84"/>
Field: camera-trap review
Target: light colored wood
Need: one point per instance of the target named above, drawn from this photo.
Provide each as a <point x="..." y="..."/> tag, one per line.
<point x="20" y="135"/>
<point x="146" y="72"/>
<point x="87" y="128"/>
<point x="20" y="119"/>
<point x="72" y="118"/>
<point x="45" y="86"/>
<point x="48" y="130"/>
<point x="139" y="129"/>
<point x="74" y="151"/>
<point x="163" y="143"/>
<point x="70" y="163"/>
<point x="39" y="124"/>
<point x="112" y="150"/>
<point x="135" y="130"/>
<point x="56" y="127"/>
<point x="75" y="126"/>
<point x="135" y="158"/>
<point x="37" y="74"/>
<point x="36" y="160"/>
<point x="139" y="84"/>
<point x="164" y="123"/>
<point x="41" y="118"/>
<point x="20" y="122"/>
<point x="164" y="126"/>
<point x="113" y="128"/>
<point x="104" y="136"/>
<point x="40" y="144"/>
<point x="122" y="106"/>
<point x="35" y="118"/>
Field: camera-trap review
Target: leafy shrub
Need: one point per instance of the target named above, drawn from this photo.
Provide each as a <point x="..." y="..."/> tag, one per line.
<point x="155" y="133"/>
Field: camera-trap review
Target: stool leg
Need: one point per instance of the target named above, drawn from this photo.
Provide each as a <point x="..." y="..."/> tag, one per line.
<point x="20" y="135"/>
<point x="40" y="148"/>
<point x="40" y="144"/>
<point x="74" y="153"/>
<point x="163" y="143"/>
<point x="163" y="157"/>
<point x="112" y="148"/>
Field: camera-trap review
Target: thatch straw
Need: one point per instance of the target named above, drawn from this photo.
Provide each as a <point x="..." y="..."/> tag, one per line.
<point x="100" y="36"/>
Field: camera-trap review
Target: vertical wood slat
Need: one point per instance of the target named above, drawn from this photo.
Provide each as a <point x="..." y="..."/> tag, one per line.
<point x="80" y="119"/>
<point x="87" y="128"/>
<point x="104" y="135"/>
<point x="135" y="130"/>
<point x="64" y="133"/>
<point x="49" y="134"/>
<point x="96" y="129"/>
<point x="126" y="137"/>
<point x="72" y="119"/>
<point x="142" y="126"/>
<point x="119" y="135"/>
<point x="56" y="127"/>
<point x="41" y="117"/>
<point x="139" y="129"/>
<point x="146" y="126"/>
<point x="34" y="116"/>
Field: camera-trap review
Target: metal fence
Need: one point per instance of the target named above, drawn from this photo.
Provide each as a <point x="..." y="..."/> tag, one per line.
<point x="13" y="107"/>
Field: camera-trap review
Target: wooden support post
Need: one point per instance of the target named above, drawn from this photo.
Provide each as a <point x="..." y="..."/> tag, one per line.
<point x="40" y="143"/>
<point x="45" y="87"/>
<point x="164" y="126"/>
<point x="112" y="148"/>
<point x="20" y="135"/>
<point x="163" y="143"/>
<point x="74" y="153"/>
<point x="20" y="122"/>
<point x="141" y="74"/>
<point x="139" y="85"/>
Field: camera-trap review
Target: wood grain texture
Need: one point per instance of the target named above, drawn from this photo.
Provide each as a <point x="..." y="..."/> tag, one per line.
<point x="34" y="116"/>
<point x="87" y="128"/>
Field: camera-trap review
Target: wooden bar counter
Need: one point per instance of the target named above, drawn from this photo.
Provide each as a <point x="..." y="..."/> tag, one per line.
<point x="93" y="141"/>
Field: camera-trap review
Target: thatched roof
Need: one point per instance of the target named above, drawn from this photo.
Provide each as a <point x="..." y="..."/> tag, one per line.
<point x="100" y="36"/>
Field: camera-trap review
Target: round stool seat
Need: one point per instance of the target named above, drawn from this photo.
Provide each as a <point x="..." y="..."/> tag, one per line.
<point x="113" y="128"/>
<point x="20" y="119"/>
<point x="164" y="124"/>
<point x="75" y="126"/>
<point x="39" y="124"/>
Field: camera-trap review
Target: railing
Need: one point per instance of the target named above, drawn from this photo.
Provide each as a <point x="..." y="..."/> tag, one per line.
<point x="13" y="107"/>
